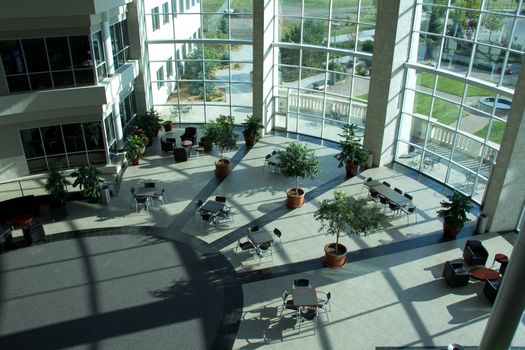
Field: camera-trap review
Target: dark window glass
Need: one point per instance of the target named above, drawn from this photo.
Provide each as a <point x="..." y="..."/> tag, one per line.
<point x="61" y="79"/>
<point x="131" y="98"/>
<point x="35" y="55"/>
<point x="32" y="143"/>
<point x="118" y="37"/>
<point x="77" y="159"/>
<point x="123" y="117"/>
<point x="124" y="25"/>
<point x="40" y="81"/>
<point x="84" y="77"/>
<point x="73" y="137"/>
<point x="18" y="83"/>
<point x="58" y="51"/>
<point x="12" y="59"/>
<point x="165" y="13"/>
<point x="181" y="6"/>
<point x="53" y="142"/>
<point x="155" y="18"/>
<point x="81" y="51"/>
<point x="129" y="113"/>
<point x="37" y="165"/>
<point x="110" y="131"/>
<point x="98" y="48"/>
<point x="97" y="157"/>
<point x="93" y="135"/>
<point x="169" y="67"/>
<point x="101" y="72"/>
<point x="59" y="161"/>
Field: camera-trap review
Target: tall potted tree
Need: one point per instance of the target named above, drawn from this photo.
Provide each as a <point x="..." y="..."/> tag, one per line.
<point x="87" y="177"/>
<point x="151" y="123"/>
<point x="346" y="215"/>
<point x="352" y="153"/>
<point x="134" y="149"/>
<point x="297" y="161"/>
<point x="252" y="130"/>
<point x="454" y="214"/>
<point x="221" y="132"/>
<point x="56" y="186"/>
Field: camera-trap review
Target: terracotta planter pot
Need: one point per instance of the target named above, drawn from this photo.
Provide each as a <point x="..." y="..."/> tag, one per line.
<point x="334" y="260"/>
<point x="294" y="200"/>
<point x="450" y="231"/>
<point x="168" y="126"/>
<point x="250" y="141"/>
<point x="135" y="161"/>
<point x="222" y="167"/>
<point x="351" y="169"/>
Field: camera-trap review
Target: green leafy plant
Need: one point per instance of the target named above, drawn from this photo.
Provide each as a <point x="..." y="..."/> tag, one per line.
<point x="346" y="215"/>
<point x="135" y="147"/>
<point x="221" y="132"/>
<point x="455" y="211"/>
<point x="299" y="162"/>
<point x="252" y="127"/>
<point x="150" y="122"/>
<point x="56" y="186"/>
<point x="87" y="177"/>
<point x="351" y="149"/>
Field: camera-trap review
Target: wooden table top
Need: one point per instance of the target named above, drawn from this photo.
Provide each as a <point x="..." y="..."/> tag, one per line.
<point x="19" y="220"/>
<point x="484" y="273"/>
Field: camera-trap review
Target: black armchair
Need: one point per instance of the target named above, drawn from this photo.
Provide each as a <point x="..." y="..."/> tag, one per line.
<point x="474" y="253"/>
<point x="190" y="133"/>
<point x="167" y="144"/>
<point x="454" y="274"/>
<point x="180" y="154"/>
<point x="491" y="289"/>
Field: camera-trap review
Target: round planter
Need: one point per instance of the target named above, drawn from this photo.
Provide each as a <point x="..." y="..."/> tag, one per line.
<point x="351" y="169"/>
<point x="450" y="231"/>
<point x="135" y="161"/>
<point x="293" y="199"/>
<point x="222" y="167"/>
<point x="334" y="260"/>
<point x="250" y="141"/>
<point x="168" y="126"/>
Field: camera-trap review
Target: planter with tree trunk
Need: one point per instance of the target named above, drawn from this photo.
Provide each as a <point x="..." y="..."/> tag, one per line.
<point x="454" y="214"/>
<point x="346" y="215"/>
<point x="252" y="130"/>
<point x="352" y="154"/>
<point x="297" y="161"/>
<point x="87" y="177"/>
<point x="56" y="186"/>
<point x="221" y="132"/>
<point x="168" y="125"/>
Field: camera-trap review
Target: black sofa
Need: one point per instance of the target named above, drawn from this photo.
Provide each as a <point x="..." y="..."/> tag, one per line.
<point x="180" y="154"/>
<point x="474" y="253"/>
<point x="491" y="289"/>
<point x="18" y="206"/>
<point x="190" y="134"/>
<point x="454" y="274"/>
<point x="167" y="144"/>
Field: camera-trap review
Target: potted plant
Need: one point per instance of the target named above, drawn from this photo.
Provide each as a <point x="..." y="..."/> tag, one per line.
<point x="150" y="122"/>
<point x="87" y="177"/>
<point x="221" y="132"/>
<point x="56" y="186"/>
<point x="140" y="133"/>
<point x="297" y="161"/>
<point x="252" y="130"/>
<point x="168" y="125"/>
<point x="134" y="149"/>
<point x="352" y="153"/>
<point x="346" y="215"/>
<point x="454" y="213"/>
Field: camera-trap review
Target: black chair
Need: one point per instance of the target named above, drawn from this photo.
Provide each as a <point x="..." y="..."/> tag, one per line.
<point x="386" y="184"/>
<point x="373" y="195"/>
<point x="383" y="200"/>
<point x="253" y="228"/>
<point x="287" y="304"/>
<point x="301" y="282"/>
<point x="220" y="199"/>
<point x="180" y="154"/>
<point x="365" y="183"/>
<point x="204" y="143"/>
<point x="246" y="246"/>
<point x="454" y="274"/>
<point x="209" y="218"/>
<point x="198" y="204"/>
<point x="277" y="236"/>
<point x="394" y="207"/>
<point x="491" y="289"/>
<point x="474" y="253"/>
<point x="149" y="184"/>
<point x="167" y="144"/>
<point x="398" y="190"/>
<point x="408" y="196"/>
<point x="190" y="134"/>
<point x="409" y="210"/>
<point x="33" y="233"/>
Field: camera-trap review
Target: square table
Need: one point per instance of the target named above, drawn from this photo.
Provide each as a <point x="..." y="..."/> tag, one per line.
<point x="260" y="237"/>
<point x="304" y="296"/>
<point x="145" y="192"/>
<point x="212" y="207"/>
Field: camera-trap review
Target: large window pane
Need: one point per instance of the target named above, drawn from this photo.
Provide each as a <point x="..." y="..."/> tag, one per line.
<point x="35" y="55"/>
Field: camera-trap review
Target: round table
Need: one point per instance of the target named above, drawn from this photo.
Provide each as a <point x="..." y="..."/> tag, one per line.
<point x="484" y="273"/>
<point x="20" y="220"/>
<point x="501" y="258"/>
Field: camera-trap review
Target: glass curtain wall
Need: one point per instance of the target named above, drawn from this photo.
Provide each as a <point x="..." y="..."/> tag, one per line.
<point x="200" y="59"/>
<point x="465" y="63"/>
<point x="325" y="61"/>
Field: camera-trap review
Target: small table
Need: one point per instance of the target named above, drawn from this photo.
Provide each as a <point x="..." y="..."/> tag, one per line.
<point x="20" y="220"/>
<point x="187" y="145"/>
<point x="260" y="237"/>
<point x="304" y="296"/>
<point x="501" y="258"/>
<point x="212" y="207"/>
<point x="145" y="192"/>
<point x="484" y="273"/>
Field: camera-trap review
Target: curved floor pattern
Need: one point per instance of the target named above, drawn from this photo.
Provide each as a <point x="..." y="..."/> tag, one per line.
<point x="120" y="289"/>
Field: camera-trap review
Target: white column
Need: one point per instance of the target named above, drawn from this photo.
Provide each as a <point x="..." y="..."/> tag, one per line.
<point x="106" y="39"/>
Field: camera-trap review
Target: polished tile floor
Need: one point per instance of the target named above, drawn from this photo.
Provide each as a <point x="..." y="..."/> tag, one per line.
<point x="389" y="294"/>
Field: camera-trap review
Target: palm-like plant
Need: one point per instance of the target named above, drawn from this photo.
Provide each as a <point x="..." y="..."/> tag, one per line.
<point x="221" y="132"/>
<point x="252" y="127"/>
<point x="299" y="162"/>
<point x="87" y="177"/>
<point x="352" y="150"/>
<point x="56" y="186"/>
<point x="135" y="147"/>
<point x="455" y="211"/>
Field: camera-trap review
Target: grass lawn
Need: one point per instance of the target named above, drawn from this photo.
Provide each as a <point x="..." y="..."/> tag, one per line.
<point x="445" y="112"/>
<point x="496" y="134"/>
<point x="363" y="97"/>
<point x="449" y="86"/>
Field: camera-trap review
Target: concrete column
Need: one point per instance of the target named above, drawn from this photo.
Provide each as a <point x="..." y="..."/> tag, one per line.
<point x="263" y="52"/>
<point x="106" y="39"/>
<point x="508" y="308"/>
<point x="505" y="194"/>
<point x="391" y="50"/>
<point x="138" y="50"/>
